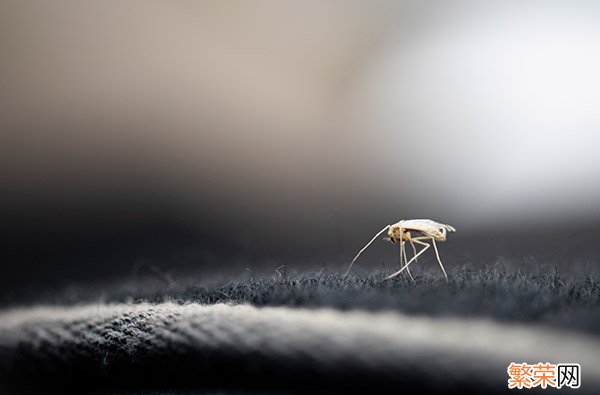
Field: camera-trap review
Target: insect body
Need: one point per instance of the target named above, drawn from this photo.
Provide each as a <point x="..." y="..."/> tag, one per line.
<point x="401" y="232"/>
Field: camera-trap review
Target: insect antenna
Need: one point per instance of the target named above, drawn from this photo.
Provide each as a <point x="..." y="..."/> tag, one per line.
<point x="365" y="247"/>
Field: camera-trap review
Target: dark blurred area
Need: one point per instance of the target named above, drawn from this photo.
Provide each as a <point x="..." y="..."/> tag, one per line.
<point x="219" y="136"/>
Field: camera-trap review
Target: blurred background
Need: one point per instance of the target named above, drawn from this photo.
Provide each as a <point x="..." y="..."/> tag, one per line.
<point x="210" y="135"/>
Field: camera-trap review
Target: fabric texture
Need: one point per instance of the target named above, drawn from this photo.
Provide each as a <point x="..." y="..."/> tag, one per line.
<point x="207" y="345"/>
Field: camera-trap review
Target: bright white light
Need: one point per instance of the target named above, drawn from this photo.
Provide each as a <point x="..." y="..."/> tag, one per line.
<point x="500" y="108"/>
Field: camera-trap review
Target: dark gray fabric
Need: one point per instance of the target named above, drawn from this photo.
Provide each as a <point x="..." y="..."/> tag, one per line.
<point x="301" y="332"/>
<point x="244" y="346"/>
<point x="564" y="299"/>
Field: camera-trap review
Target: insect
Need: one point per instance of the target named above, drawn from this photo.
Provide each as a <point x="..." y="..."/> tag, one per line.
<point x="426" y="230"/>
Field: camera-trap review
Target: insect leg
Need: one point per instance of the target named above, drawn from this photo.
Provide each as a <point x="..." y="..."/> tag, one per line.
<point x="412" y="259"/>
<point x="437" y="254"/>
<point x="365" y="247"/>
<point x="414" y="248"/>
<point x="402" y="249"/>
<point x="401" y="245"/>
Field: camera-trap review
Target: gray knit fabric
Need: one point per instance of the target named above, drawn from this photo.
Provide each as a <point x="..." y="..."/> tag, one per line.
<point x="192" y="344"/>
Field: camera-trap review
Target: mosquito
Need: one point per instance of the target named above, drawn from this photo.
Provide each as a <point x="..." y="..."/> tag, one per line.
<point x="426" y="230"/>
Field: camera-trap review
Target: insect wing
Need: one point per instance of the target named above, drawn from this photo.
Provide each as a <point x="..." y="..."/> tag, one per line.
<point x="427" y="227"/>
<point x="420" y="225"/>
